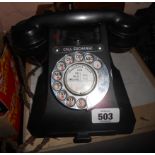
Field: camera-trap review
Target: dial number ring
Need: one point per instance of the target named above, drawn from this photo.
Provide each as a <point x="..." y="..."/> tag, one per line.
<point x="81" y="80"/>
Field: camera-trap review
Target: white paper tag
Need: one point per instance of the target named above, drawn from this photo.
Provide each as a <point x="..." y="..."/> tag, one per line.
<point x="105" y="115"/>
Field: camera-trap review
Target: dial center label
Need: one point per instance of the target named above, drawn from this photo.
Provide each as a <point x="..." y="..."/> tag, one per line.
<point x="80" y="79"/>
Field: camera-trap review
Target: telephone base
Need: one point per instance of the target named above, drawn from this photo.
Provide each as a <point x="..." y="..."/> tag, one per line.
<point x="44" y="125"/>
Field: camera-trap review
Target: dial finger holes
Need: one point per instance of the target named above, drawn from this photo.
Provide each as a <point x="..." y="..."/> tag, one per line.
<point x="70" y="101"/>
<point x="81" y="103"/>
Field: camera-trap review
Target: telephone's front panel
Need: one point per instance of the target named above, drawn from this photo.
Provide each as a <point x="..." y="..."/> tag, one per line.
<point x="80" y="75"/>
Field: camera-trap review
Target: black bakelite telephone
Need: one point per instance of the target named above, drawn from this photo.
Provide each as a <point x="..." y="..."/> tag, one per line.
<point x="79" y="93"/>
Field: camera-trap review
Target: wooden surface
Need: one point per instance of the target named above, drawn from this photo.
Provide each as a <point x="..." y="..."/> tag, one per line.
<point x="145" y="122"/>
<point x="146" y="70"/>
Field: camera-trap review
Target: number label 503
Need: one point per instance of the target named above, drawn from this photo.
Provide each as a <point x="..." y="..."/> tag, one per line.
<point x="105" y="116"/>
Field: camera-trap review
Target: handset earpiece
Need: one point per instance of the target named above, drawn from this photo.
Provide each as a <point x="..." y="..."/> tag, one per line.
<point x="123" y="35"/>
<point x="29" y="41"/>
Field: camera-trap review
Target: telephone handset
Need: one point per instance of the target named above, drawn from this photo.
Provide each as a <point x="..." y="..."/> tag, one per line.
<point x="80" y="92"/>
<point x="29" y="37"/>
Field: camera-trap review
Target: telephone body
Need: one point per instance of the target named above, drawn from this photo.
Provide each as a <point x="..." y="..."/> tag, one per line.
<point x="80" y="92"/>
